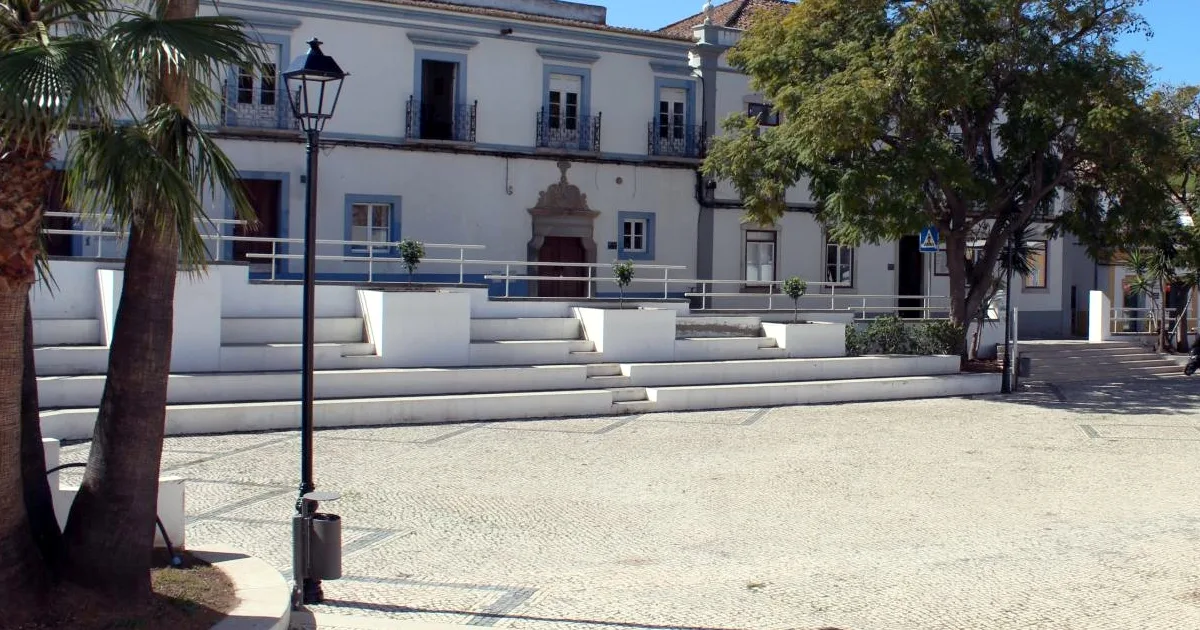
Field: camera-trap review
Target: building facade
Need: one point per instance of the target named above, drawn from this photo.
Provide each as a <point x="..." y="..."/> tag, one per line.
<point x="538" y="131"/>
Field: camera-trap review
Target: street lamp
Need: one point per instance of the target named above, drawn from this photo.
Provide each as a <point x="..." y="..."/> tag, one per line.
<point x="314" y="83"/>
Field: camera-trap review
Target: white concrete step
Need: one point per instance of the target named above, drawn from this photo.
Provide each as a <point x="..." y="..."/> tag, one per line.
<point x="820" y="392"/>
<point x="604" y="369"/>
<point x="787" y="370"/>
<point x="66" y="332"/>
<point x="609" y="382"/>
<point x="85" y="391"/>
<point x="726" y="349"/>
<point x="263" y="416"/>
<point x="259" y="330"/>
<point x="628" y="394"/>
<point x="71" y="360"/>
<point x="285" y="415"/>
<point x="537" y="352"/>
<point x="526" y="329"/>
<point x="631" y="408"/>
<point x="717" y="326"/>
<point x="277" y="357"/>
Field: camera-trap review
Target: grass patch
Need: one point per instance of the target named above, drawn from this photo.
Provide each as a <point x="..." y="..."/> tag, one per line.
<point x="194" y="596"/>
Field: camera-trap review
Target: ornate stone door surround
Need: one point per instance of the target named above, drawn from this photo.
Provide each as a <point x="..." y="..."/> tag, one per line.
<point x="562" y="211"/>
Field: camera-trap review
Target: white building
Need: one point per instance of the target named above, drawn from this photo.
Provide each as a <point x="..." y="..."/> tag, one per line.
<point x="537" y="130"/>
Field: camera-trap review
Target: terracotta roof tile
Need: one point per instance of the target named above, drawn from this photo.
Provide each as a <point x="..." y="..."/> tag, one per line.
<point x="528" y="17"/>
<point x="732" y="14"/>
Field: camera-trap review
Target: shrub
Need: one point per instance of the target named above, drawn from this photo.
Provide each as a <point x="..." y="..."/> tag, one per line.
<point x="856" y="341"/>
<point x="889" y="335"/>
<point x="940" y="337"/>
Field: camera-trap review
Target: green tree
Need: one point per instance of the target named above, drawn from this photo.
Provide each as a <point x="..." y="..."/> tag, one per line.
<point x="150" y="175"/>
<point x="964" y="114"/>
<point x="53" y="65"/>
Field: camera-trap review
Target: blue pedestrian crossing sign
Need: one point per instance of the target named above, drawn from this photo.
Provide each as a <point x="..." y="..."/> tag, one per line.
<point x="929" y="240"/>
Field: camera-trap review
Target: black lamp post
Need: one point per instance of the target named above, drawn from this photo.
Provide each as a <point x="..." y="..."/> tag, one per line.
<point x="1009" y="350"/>
<point x="314" y="83"/>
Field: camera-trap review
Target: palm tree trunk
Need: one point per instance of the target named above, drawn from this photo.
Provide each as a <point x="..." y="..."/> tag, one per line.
<point x="23" y="176"/>
<point x="110" y="532"/>
<point x="38" y="500"/>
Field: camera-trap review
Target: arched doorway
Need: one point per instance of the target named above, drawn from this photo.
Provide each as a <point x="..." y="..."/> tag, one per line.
<point x="563" y="228"/>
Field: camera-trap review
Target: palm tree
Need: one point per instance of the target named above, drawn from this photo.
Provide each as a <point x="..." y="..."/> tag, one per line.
<point x="150" y="176"/>
<point x="46" y="76"/>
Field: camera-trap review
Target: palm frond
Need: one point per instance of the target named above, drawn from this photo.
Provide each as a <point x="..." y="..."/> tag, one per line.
<point x="200" y="49"/>
<point x="43" y="87"/>
<point x="163" y="161"/>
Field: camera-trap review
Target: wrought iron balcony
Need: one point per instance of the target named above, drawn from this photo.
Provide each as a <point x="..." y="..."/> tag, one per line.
<point x="580" y="133"/>
<point x="684" y="141"/>
<point x="249" y="108"/>
<point x="434" y="121"/>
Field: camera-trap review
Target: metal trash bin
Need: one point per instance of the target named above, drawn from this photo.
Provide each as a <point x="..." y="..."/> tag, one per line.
<point x="1024" y="366"/>
<point x="325" y="547"/>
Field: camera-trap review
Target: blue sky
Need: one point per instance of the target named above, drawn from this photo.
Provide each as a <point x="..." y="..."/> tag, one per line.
<point x="1175" y="47"/>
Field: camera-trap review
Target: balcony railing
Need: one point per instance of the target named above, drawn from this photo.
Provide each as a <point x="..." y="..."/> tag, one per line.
<point x="685" y="141"/>
<point x="256" y="114"/>
<point x="429" y="121"/>
<point x="581" y="133"/>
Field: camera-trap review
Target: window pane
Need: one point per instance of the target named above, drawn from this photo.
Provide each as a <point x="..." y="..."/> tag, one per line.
<point x="380" y="215"/>
<point x="627" y="228"/>
<point x="379" y="235"/>
<point x="847" y="256"/>
<point x="359" y="233"/>
<point x="245" y="86"/>
<point x="639" y="228"/>
<point x="358" y="215"/>
<point x="627" y="242"/>
<point x="267" y="96"/>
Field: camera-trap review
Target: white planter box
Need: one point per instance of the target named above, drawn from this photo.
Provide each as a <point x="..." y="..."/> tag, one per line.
<point x="630" y="334"/>
<point x="418" y="328"/>
<point x="813" y="340"/>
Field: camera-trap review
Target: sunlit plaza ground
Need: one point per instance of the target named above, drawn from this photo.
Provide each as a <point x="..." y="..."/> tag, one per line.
<point x="1072" y="508"/>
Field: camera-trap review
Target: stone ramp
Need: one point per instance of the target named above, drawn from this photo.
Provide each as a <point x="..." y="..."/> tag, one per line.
<point x="1060" y="362"/>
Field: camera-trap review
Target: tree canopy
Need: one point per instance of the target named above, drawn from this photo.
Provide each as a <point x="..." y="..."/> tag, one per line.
<point x="971" y="115"/>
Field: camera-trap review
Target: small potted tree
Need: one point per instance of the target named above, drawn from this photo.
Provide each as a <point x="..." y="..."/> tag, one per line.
<point x="795" y="288"/>
<point x="806" y="339"/>
<point x="636" y="334"/>
<point x="411" y="252"/>
<point x="623" y="274"/>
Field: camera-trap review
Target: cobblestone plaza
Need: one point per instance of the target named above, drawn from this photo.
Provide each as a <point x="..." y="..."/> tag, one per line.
<point x="1065" y="508"/>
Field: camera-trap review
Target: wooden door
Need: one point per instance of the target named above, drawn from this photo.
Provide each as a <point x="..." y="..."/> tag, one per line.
<point x="565" y="250"/>
<point x="910" y="272"/>
<point x="264" y="198"/>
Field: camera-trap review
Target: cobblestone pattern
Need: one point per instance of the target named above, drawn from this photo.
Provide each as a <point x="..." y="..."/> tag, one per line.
<point x="1074" y="509"/>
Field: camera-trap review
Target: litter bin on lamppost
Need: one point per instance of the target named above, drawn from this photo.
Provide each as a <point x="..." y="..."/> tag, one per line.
<point x="314" y="84"/>
<point x="316" y="548"/>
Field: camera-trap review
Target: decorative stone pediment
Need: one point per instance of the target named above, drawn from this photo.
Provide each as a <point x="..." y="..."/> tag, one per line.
<point x="562" y="196"/>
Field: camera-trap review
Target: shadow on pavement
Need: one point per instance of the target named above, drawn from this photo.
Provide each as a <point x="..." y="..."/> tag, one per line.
<point x="497" y="616"/>
<point x="1148" y="396"/>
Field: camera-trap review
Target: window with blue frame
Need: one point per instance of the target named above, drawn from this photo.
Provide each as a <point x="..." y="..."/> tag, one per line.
<point x="635" y="235"/>
<point x="372" y="224"/>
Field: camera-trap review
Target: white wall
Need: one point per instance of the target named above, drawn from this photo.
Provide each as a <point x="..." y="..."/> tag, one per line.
<point x="462" y="198"/>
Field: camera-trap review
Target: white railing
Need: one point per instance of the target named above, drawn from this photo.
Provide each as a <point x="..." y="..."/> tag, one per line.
<point x="370" y="255"/>
<point x="591" y="278"/>
<point x="769" y="296"/>
<point x="1139" y="320"/>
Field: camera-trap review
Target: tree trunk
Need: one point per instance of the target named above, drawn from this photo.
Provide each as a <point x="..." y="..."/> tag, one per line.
<point x="956" y="263"/>
<point x="110" y="533"/>
<point x="23" y="176"/>
<point x="38" y="500"/>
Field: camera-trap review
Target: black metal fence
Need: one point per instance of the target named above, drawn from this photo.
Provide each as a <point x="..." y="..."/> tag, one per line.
<point x="436" y="121"/>
<point x="580" y="133"/>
